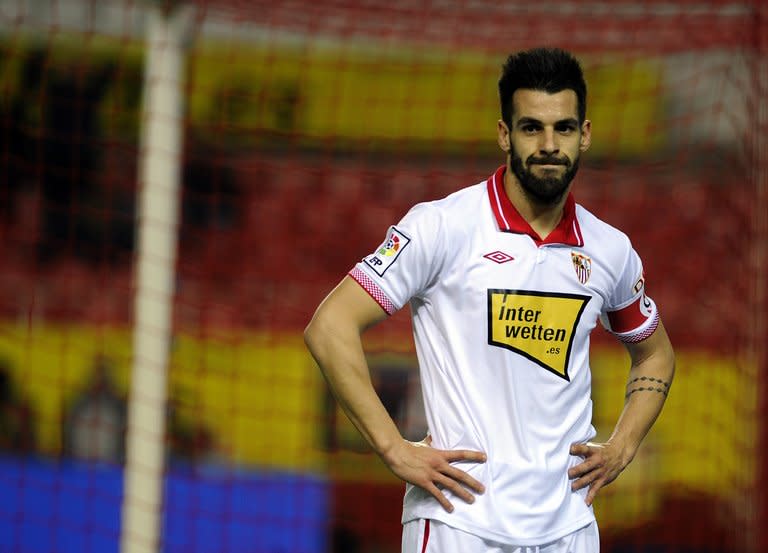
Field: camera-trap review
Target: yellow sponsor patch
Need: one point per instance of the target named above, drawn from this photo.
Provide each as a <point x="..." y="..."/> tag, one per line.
<point x="538" y="325"/>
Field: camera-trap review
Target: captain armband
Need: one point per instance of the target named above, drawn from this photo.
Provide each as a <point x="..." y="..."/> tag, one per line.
<point x="647" y="384"/>
<point x="634" y="322"/>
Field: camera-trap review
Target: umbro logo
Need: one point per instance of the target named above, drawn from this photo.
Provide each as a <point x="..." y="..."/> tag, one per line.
<point x="498" y="257"/>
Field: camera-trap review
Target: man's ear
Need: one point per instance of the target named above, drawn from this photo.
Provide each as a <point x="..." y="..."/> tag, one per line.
<point x="503" y="138"/>
<point x="586" y="135"/>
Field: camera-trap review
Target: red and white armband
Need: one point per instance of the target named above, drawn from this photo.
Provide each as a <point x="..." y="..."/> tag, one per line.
<point x="633" y="322"/>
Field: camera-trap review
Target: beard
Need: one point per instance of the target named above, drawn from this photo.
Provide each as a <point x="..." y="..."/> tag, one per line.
<point x="547" y="190"/>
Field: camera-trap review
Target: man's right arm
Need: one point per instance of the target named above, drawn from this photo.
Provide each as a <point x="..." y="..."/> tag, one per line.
<point x="333" y="336"/>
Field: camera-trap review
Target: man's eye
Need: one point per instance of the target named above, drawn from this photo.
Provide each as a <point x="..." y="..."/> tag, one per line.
<point x="566" y="129"/>
<point x="530" y="129"/>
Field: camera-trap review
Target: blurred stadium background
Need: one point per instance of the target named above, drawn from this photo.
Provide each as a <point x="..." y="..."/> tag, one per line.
<point x="307" y="128"/>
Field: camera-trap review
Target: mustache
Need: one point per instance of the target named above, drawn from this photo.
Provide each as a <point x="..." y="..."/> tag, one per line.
<point x="549" y="160"/>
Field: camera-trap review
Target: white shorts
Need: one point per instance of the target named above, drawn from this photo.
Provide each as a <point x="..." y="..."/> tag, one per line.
<point x="432" y="536"/>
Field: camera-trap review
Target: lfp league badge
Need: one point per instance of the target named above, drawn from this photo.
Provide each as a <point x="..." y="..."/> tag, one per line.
<point x="388" y="252"/>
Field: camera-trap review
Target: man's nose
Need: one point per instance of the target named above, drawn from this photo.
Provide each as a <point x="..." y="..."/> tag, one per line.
<point x="548" y="144"/>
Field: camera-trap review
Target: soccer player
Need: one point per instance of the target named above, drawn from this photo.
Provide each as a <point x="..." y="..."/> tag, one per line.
<point x="505" y="280"/>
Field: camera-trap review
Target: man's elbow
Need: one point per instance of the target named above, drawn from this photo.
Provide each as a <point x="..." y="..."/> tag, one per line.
<point x="667" y="353"/>
<point x="664" y="358"/>
<point x="319" y="333"/>
<point x="312" y="333"/>
<point x="670" y="359"/>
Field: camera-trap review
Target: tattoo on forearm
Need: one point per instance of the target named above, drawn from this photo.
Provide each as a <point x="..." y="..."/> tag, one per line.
<point x="653" y="385"/>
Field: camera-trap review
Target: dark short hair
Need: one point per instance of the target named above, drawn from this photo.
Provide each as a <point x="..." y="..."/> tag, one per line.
<point x="548" y="69"/>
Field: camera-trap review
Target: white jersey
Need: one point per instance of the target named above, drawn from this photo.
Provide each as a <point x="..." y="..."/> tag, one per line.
<point x="501" y="323"/>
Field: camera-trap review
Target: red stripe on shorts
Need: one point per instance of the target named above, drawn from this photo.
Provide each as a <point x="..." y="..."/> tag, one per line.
<point x="426" y="536"/>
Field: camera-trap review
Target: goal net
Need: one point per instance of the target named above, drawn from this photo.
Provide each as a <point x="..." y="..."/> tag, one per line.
<point x="306" y="129"/>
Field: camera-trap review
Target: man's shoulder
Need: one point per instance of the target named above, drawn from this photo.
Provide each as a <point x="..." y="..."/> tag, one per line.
<point x="464" y="201"/>
<point x="596" y="228"/>
<point x="449" y="219"/>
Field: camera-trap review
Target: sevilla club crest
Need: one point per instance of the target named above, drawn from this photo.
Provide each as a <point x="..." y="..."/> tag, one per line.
<point x="583" y="266"/>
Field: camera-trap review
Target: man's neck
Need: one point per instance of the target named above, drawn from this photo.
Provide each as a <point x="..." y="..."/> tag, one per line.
<point x="542" y="218"/>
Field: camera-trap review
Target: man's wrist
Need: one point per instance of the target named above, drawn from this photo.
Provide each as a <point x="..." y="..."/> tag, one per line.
<point x="388" y="449"/>
<point x="626" y="449"/>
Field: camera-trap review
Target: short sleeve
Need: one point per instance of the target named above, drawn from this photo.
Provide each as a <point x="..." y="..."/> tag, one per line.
<point x="631" y="315"/>
<point x="407" y="262"/>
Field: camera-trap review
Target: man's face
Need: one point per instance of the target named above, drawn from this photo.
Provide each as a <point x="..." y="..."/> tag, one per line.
<point x="544" y="143"/>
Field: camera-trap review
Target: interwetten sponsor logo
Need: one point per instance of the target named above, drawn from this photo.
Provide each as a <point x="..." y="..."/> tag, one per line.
<point x="537" y="325"/>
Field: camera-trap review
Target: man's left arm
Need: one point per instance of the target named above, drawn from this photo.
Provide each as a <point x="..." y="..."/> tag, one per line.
<point x="650" y="377"/>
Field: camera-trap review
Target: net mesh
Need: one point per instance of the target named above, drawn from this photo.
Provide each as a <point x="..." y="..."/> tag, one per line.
<point x="309" y="129"/>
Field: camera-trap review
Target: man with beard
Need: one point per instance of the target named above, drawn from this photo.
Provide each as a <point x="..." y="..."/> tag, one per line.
<point x="505" y="280"/>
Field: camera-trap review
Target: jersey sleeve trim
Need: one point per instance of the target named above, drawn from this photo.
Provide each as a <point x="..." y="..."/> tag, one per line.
<point x="373" y="290"/>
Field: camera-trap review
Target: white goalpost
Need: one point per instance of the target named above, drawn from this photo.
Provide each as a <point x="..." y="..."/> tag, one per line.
<point x="159" y="165"/>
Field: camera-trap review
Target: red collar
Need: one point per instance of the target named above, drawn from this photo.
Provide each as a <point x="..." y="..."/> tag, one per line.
<point x="509" y="219"/>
